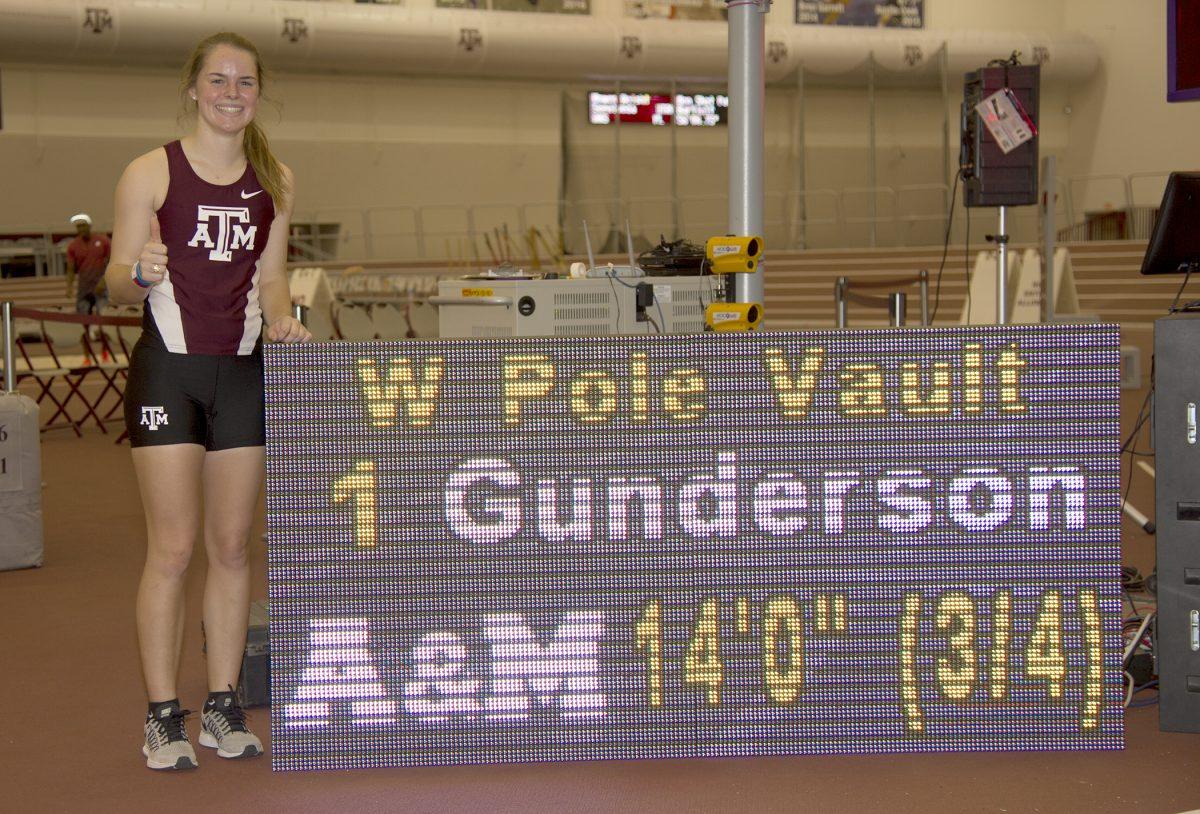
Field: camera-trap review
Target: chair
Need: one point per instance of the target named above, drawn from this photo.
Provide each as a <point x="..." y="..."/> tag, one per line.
<point x="423" y="320"/>
<point x="109" y="359"/>
<point x="28" y="328"/>
<point x="66" y="344"/>
<point x="43" y="373"/>
<point x="320" y="323"/>
<point x="354" y="324"/>
<point x="389" y="322"/>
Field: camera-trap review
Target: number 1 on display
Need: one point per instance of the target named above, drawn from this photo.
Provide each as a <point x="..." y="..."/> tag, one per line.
<point x="359" y="487"/>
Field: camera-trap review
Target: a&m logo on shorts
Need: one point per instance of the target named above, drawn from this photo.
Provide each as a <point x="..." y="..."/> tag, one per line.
<point x="153" y="417"/>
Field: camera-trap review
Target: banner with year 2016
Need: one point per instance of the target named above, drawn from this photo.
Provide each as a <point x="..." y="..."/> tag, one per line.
<point x="863" y="13"/>
<point x="671" y="546"/>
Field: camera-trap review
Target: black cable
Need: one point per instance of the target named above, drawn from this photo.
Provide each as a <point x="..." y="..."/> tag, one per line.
<point x="1141" y="420"/>
<point x="616" y="297"/>
<point x="700" y="292"/>
<point x="700" y="297"/>
<point x="1187" y="276"/>
<point x="1129" y="474"/>
<point x="1131" y="441"/>
<point x="613" y="277"/>
<point x="937" y="291"/>
<point x="967" y="264"/>
<point x="1143" y="416"/>
<point x="1132" y="580"/>
<point x="1125" y="593"/>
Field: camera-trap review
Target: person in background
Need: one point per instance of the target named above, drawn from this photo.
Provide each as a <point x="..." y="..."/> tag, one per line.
<point x="87" y="258"/>
<point x="200" y="238"/>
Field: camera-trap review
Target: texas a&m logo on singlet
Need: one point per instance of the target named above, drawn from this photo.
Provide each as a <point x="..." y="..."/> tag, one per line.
<point x="230" y="234"/>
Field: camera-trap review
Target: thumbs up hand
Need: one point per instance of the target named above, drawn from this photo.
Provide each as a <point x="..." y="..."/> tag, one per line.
<point x="153" y="259"/>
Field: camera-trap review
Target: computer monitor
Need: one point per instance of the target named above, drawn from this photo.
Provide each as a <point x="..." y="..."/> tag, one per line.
<point x="1175" y="241"/>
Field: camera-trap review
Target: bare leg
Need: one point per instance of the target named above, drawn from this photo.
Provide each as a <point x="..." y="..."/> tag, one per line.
<point x="232" y="480"/>
<point x="169" y="482"/>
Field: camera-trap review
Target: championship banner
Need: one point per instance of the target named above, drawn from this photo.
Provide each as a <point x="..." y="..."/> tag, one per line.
<point x="542" y="6"/>
<point x="669" y="546"/>
<point x="676" y="9"/>
<point x="867" y="13"/>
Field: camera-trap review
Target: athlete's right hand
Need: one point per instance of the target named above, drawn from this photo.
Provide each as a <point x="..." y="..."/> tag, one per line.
<point x="154" y="255"/>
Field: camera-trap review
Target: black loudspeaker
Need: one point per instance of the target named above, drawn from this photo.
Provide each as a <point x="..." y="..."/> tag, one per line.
<point x="991" y="178"/>
<point x="1177" y="508"/>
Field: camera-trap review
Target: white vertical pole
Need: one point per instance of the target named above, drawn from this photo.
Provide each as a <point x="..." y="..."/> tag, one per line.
<point x="611" y="242"/>
<point x="872" y="177"/>
<point x="675" y="235"/>
<point x="1049" y="238"/>
<point x="1002" y="269"/>
<point x="10" y="377"/>
<point x="747" y="31"/>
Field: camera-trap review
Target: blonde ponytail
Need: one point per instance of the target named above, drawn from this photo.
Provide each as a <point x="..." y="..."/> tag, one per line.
<point x="266" y="165"/>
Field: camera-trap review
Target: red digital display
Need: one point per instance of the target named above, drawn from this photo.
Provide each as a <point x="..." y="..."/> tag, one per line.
<point x="689" y="109"/>
<point x="1183" y="58"/>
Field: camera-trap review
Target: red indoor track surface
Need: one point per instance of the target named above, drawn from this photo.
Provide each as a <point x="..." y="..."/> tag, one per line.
<point x="72" y="704"/>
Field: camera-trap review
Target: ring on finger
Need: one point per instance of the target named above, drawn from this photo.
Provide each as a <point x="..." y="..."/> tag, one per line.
<point x="157" y="268"/>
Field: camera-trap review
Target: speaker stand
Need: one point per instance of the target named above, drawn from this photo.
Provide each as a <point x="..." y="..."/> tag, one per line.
<point x="1001" y="239"/>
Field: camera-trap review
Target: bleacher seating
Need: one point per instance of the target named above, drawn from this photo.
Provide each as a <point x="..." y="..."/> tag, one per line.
<point x="798" y="285"/>
<point x="37" y="292"/>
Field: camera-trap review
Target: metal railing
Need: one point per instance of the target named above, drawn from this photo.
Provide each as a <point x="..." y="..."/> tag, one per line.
<point x="906" y="215"/>
<point x="852" y="217"/>
<point x="896" y="302"/>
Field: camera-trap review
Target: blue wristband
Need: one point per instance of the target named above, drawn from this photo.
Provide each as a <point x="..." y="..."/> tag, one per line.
<point x="137" y="276"/>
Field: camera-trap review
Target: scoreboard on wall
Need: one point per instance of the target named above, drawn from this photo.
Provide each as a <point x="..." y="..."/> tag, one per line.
<point x="671" y="546"/>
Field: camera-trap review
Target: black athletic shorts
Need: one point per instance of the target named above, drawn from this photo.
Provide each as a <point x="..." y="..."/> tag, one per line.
<point x="191" y="398"/>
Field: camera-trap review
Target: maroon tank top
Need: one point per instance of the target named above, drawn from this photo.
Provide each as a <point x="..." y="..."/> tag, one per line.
<point x="215" y="235"/>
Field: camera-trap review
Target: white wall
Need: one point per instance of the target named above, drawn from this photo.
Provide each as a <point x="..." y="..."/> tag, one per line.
<point x="391" y="143"/>
<point x="1121" y="122"/>
<point x="354" y="143"/>
<point x="1009" y="15"/>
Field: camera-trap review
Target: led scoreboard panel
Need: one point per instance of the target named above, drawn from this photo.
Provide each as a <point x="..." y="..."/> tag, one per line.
<point x="688" y="110"/>
<point x="668" y="546"/>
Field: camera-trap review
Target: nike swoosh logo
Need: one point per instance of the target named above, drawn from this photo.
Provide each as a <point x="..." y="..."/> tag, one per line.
<point x="251" y="195"/>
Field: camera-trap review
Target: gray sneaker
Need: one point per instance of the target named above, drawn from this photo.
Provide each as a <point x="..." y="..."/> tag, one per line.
<point x="167" y="745"/>
<point x="224" y="728"/>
